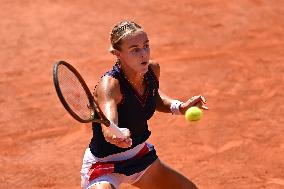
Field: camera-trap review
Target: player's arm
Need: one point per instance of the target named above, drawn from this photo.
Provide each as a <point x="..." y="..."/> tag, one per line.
<point x="108" y="95"/>
<point x="164" y="102"/>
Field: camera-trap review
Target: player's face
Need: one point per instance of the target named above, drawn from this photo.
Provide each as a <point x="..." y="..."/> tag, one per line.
<point x="135" y="52"/>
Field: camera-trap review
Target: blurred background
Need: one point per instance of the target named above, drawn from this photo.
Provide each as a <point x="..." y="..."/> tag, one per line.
<point x="229" y="51"/>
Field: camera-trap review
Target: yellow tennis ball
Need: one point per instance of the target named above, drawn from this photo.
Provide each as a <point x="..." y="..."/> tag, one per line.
<point x="193" y="114"/>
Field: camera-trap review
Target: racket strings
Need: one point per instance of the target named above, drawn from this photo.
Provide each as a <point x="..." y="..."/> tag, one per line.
<point x="74" y="93"/>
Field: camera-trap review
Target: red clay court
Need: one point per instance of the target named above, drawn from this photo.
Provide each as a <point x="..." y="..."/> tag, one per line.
<point x="232" y="52"/>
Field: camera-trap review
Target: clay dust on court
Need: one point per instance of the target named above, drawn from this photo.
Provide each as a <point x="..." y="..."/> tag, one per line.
<point x="232" y="52"/>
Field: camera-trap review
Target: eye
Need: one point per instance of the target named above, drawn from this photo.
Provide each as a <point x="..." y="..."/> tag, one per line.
<point x="135" y="50"/>
<point x="146" y="46"/>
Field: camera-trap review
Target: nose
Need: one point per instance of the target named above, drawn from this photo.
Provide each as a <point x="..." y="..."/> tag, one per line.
<point x="144" y="53"/>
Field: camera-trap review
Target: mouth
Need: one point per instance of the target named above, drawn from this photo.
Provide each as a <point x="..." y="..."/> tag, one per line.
<point x="144" y="63"/>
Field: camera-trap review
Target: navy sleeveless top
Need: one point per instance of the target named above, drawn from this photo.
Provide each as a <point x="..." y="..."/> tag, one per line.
<point x="133" y="112"/>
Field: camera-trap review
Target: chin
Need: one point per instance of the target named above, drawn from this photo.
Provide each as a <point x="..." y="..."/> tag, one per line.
<point x="145" y="69"/>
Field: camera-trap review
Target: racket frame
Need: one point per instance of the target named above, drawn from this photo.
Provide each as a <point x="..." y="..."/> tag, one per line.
<point x="93" y="107"/>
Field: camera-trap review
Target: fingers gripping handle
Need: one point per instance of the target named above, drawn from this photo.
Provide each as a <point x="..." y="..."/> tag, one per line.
<point x="118" y="132"/>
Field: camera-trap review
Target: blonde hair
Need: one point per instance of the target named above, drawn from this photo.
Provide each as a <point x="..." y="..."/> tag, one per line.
<point x="120" y="31"/>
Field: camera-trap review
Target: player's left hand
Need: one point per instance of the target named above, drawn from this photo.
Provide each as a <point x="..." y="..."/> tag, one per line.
<point x="198" y="101"/>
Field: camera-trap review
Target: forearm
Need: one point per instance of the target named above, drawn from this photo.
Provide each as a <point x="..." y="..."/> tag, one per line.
<point x="164" y="103"/>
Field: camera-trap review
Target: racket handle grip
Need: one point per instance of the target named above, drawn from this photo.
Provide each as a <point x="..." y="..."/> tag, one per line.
<point x="116" y="130"/>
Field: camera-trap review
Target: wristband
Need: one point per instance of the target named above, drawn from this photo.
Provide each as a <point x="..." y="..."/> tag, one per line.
<point x="175" y="107"/>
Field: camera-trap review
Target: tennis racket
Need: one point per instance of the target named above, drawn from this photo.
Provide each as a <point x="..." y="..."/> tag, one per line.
<point x="77" y="99"/>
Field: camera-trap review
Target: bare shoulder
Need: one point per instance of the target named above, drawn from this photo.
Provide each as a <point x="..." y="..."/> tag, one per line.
<point x="155" y="66"/>
<point x="108" y="88"/>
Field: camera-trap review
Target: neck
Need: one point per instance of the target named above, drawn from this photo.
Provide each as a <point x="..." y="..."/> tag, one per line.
<point x="132" y="76"/>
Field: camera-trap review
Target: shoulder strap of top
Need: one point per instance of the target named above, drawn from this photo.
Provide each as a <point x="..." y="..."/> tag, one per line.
<point x="114" y="72"/>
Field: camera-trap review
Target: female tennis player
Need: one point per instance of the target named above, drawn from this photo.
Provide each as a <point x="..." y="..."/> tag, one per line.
<point x="129" y="95"/>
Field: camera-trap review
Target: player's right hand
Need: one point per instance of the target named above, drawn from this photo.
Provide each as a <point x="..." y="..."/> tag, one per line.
<point x="120" y="142"/>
